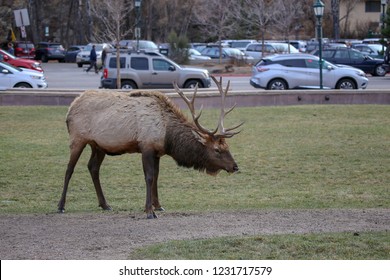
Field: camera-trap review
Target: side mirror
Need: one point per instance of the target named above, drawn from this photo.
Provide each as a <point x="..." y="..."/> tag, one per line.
<point x="172" y="68"/>
<point x="4" y="71"/>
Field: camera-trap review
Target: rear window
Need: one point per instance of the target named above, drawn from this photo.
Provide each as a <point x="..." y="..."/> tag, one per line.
<point x="139" y="63"/>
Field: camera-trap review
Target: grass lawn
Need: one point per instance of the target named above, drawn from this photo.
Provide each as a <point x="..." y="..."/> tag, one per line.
<point x="299" y="157"/>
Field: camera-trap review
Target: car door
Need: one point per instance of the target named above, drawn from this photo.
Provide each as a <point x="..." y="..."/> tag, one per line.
<point x="313" y="77"/>
<point x="359" y="60"/>
<point x="6" y="78"/>
<point x="296" y="72"/>
<point x="163" y="73"/>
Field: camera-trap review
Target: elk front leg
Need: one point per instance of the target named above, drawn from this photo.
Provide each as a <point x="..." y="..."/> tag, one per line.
<point x="149" y="164"/>
<point x="155" y="201"/>
<point x="94" y="164"/>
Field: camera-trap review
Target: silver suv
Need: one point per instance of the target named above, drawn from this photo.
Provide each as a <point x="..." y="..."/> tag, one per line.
<point x="150" y="70"/>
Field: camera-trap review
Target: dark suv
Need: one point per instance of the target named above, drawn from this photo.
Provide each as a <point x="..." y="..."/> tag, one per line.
<point x="50" y="51"/>
<point x="355" y="59"/>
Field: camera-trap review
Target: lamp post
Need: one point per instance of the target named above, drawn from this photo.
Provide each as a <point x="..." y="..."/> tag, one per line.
<point x="137" y="4"/>
<point x="319" y="12"/>
<point x="383" y="3"/>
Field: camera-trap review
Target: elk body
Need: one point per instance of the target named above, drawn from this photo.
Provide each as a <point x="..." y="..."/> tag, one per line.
<point x="147" y="123"/>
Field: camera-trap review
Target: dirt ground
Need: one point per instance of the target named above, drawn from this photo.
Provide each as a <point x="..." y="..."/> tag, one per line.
<point x="115" y="235"/>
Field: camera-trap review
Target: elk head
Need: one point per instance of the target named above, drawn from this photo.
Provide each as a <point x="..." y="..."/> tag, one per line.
<point x="216" y="152"/>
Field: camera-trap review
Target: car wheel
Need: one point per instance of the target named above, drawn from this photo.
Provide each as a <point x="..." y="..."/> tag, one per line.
<point x="128" y="85"/>
<point x="346" y="84"/>
<point x="379" y="71"/>
<point x="23" y="85"/>
<point x="79" y="65"/>
<point x="277" y="84"/>
<point x="44" y="58"/>
<point x="192" y="84"/>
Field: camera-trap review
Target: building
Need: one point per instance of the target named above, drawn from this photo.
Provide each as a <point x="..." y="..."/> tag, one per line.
<point x="359" y="18"/>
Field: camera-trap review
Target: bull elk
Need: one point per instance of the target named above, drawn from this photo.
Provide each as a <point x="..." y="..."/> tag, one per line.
<point x="148" y="123"/>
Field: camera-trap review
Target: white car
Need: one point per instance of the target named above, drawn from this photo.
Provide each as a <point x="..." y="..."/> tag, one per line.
<point x="14" y="77"/>
<point x="294" y="71"/>
<point x="83" y="56"/>
<point x="256" y="49"/>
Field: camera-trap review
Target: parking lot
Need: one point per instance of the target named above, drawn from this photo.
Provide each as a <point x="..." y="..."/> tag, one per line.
<point x="69" y="76"/>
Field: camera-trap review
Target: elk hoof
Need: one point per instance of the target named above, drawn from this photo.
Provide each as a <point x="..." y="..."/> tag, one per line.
<point x="61" y="211"/>
<point x="159" y="209"/>
<point x="151" y="216"/>
<point x="106" y="207"/>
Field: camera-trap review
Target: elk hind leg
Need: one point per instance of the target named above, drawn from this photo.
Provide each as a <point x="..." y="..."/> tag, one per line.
<point x="94" y="164"/>
<point x="149" y="159"/>
<point x="75" y="152"/>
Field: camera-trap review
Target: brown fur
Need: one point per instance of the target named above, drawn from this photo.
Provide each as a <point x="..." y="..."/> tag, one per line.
<point x="139" y="122"/>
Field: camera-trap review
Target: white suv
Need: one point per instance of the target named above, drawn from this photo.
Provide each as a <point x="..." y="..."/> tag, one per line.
<point x="14" y="77"/>
<point x="150" y="70"/>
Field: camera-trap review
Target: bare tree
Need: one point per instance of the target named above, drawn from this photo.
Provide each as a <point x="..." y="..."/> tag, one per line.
<point x="111" y="17"/>
<point x="287" y="16"/>
<point x="349" y="7"/>
<point x="216" y="19"/>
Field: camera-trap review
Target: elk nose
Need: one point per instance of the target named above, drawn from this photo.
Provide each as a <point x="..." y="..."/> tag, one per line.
<point x="235" y="168"/>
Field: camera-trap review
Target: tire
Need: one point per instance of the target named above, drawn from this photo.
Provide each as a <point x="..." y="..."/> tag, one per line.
<point x="22" y="85"/>
<point x="379" y="71"/>
<point x="277" y="84"/>
<point x="192" y="84"/>
<point x="128" y="85"/>
<point x="79" y="65"/>
<point x="44" y="58"/>
<point x="346" y="84"/>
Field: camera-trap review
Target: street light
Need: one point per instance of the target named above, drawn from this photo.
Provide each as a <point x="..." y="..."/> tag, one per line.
<point x="383" y="3"/>
<point x="319" y="12"/>
<point x="137" y="4"/>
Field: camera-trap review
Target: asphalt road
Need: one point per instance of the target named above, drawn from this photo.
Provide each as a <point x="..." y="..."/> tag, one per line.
<point x="69" y="76"/>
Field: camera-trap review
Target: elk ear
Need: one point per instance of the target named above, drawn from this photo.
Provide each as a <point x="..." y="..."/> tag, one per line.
<point x="199" y="137"/>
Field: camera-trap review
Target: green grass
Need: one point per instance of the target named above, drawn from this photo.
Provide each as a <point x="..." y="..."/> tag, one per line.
<point x="330" y="246"/>
<point x="303" y="157"/>
<point x="289" y="157"/>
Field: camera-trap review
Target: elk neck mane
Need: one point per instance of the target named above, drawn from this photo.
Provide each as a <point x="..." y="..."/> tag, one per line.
<point x="180" y="142"/>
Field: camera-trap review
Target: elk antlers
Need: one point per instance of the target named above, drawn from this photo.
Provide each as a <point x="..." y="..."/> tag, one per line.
<point x="223" y="132"/>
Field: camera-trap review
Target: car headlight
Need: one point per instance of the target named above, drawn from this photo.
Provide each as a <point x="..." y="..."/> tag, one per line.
<point x="35" y="77"/>
<point x="362" y="74"/>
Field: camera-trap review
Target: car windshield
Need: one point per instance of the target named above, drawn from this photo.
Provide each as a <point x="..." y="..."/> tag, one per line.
<point x="10" y="55"/>
<point x="98" y="47"/>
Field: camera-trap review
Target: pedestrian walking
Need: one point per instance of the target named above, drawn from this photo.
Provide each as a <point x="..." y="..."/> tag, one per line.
<point x="92" y="60"/>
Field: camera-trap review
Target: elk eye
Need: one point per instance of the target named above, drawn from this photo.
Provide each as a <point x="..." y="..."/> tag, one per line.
<point x="217" y="150"/>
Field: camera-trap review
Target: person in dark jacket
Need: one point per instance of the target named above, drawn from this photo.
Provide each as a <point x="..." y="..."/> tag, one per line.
<point x="92" y="60"/>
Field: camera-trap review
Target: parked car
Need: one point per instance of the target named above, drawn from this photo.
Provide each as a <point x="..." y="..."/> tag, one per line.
<point x="241" y="44"/>
<point x="20" y="62"/>
<point x="227" y="53"/>
<point x="354" y="58"/>
<point x="83" y="56"/>
<point x="256" y="50"/>
<point x="299" y="45"/>
<point x="24" y="49"/>
<point x="15" y="77"/>
<point x="372" y="50"/>
<point x="72" y="51"/>
<point x="150" y="70"/>
<point x="46" y="51"/>
<point x="292" y="71"/>
<point x="142" y="45"/>
<point x="193" y="54"/>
